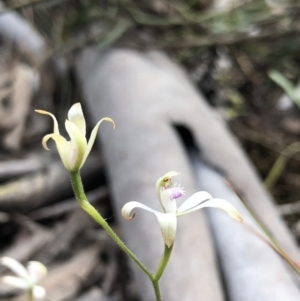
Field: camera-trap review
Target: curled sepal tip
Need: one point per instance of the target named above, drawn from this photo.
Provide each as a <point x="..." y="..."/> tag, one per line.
<point x="128" y="209"/>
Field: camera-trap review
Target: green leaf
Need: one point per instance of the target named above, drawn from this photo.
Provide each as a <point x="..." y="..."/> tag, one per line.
<point x="286" y="85"/>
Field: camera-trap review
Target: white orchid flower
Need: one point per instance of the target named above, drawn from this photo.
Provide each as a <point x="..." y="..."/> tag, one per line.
<point x="73" y="153"/>
<point x="27" y="277"/>
<point x="167" y="194"/>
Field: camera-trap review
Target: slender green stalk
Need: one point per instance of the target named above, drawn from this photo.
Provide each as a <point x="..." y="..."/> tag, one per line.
<point x="89" y="209"/>
<point x="160" y="270"/>
<point x="163" y="263"/>
<point x="280" y="163"/>
<point x="157" y="290"/>
<point x="30" y="295"/>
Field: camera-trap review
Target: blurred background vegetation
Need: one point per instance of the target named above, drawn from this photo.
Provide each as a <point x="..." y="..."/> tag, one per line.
<point x="243" y="55"/>
<point x="233" y="50"/>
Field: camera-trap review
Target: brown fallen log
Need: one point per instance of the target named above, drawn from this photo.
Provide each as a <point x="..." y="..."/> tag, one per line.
<point x="64" y="234"/>
<point x="65" y="206"/>
<point x="17" y="168"/>
<point x="27" y="246"/>
<point x="64" y="281"/>
<point x="147" y="96"/>
<point x="76" y="223"/>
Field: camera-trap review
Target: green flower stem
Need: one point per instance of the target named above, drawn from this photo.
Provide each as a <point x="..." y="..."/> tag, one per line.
<point x="157" y="290"/>
<point x="89" y="209"/>
<point x="30" y="295"/>
<point x="163" y="263"/>
<point x="160" y="270"/>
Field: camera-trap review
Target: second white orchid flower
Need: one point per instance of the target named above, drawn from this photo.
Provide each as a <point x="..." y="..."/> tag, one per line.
<point x="27" y="278"/>
<point x="167" y="194"/>
<point x="73" y="153"/>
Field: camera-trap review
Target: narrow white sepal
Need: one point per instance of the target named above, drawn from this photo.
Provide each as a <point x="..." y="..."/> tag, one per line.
<point x="16" y="282"/>
<point x="219" y="204"/>
<point x="168" y="225"/>
<point x="55" y="126"/>
<point x="226" y="207"/>
<point x="127" y="210"/>
<point x="15" y="266"/>
<point x="193" y="202"/>
<point x="94" y="134"/>
<point x="62" y="146"/>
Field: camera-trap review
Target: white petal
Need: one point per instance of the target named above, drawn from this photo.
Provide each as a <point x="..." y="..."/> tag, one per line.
<point x="78" y="146"/>
<point x="94" y="134"/>
<point x="165" y="181"/>
<point x="128" y="207"/>
<point x="39" y="292"/>
<point x="36" y="270"/>
<point x="55" y="128"/>
<point x="219" y="204"/>
<point x="75" y="115"/>
<point x="16" y="282"/>
<point x="193" y="201"/>
<point x="169" y="205"/>
<point x="14" y="266"/>
<point x="168" y="225"/>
